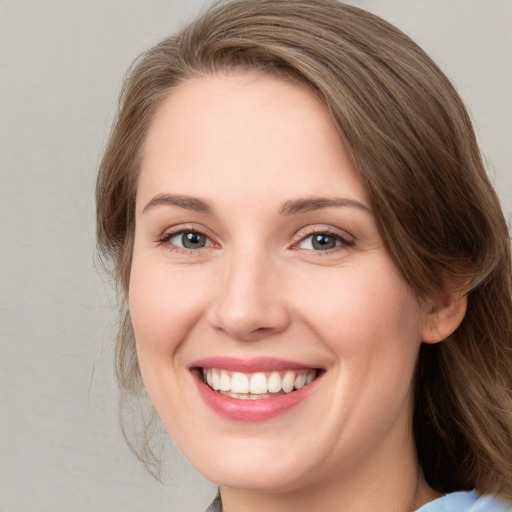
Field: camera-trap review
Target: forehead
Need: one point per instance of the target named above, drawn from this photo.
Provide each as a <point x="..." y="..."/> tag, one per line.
<point x="245" y="131"/>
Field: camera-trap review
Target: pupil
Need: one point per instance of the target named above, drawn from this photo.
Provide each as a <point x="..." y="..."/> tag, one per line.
<point x="193" y="240"/>
<point x="323" y="242"/>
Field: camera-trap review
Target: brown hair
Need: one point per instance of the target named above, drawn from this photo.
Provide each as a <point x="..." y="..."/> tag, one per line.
<point x="414" y="148"/>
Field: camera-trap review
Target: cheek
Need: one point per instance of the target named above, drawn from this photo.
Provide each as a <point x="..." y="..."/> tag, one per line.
<point x="163" y="307"/>
<point x="371" y="323"/>
<point x="366" y="313"/>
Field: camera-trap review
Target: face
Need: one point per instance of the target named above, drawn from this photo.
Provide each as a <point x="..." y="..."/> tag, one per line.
<point x="274" y="333"/>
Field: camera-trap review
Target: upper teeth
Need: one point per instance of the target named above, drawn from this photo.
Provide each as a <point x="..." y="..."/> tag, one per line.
<point x="258" y="383"/>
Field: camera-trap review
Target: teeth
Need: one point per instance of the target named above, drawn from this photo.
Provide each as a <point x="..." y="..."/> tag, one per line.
<point x="225" y="382"/>
<point x="258" y="384"/>
<point x="215" y="380"/>
<point x="288" y="382"/>
<point x="300" y="381"/>
<point x="274" y="383"/>
<point x="237" y="383"/>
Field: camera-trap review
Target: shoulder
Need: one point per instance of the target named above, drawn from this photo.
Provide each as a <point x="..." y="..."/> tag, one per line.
<point x="466" y="502"/>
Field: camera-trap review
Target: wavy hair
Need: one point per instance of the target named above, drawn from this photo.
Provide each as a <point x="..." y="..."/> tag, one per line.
<point x="414" y="148"/>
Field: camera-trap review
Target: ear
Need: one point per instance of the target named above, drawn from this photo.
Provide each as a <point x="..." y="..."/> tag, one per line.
<point x="443" y="320"/>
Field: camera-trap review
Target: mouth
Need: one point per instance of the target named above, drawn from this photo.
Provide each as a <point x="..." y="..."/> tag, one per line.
<point x="253" y="390"/>
<point x="257" y="385"/>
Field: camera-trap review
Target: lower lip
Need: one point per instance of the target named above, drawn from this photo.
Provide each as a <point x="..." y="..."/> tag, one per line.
<point x="251" y="410"/>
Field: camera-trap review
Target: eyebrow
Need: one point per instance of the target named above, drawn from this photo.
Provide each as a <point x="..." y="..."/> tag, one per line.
<point x="186" y="202"/>
<point x="316" y="203"/>
<point x="292" y="206"/>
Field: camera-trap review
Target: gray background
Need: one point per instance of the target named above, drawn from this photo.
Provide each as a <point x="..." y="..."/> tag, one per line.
<point x="61" y="65"/>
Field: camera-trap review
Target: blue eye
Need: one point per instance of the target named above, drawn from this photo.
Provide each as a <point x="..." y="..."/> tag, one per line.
<point x="322" y="242"/>
<point x="188" y="240"/>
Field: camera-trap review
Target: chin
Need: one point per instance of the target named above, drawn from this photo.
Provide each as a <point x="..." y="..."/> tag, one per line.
<point x="261" y="468"/>
<point x="255" y="478"/>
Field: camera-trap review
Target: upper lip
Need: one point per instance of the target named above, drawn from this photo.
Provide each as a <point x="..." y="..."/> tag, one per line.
<point x="249" y="365"/>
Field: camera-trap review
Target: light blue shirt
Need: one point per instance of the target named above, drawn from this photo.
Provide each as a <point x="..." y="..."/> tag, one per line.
<point x="466" y="502"/>
<point x="455" y="502"/>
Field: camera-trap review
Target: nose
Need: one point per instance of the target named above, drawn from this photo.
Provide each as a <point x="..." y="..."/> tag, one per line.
<point x="250" y="303"/>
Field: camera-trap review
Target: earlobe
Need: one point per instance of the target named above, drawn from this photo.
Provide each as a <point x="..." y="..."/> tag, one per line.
<point x="443" y="320"/>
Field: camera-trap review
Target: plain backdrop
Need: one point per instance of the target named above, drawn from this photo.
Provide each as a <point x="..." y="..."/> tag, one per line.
<point x="61" y="67"/>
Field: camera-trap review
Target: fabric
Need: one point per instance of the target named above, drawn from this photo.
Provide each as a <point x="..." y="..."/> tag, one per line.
<point x="454" y="502"/>
<point x="215" y="505"/>
<point x="466" y="502"/>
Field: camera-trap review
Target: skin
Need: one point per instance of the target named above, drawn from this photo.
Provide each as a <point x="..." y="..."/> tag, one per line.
<point x="245" y="144"/>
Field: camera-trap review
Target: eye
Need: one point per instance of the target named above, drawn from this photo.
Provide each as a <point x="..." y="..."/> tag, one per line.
<point x="187" y="240"/>
<point x="322" y="241"/>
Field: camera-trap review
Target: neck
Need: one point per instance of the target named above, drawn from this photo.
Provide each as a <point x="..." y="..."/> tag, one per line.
<point x="307" y="500"/>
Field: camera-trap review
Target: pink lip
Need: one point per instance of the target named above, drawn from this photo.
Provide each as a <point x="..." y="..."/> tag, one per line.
<point x="249" y="410"/>
<point x="260" y="364"/>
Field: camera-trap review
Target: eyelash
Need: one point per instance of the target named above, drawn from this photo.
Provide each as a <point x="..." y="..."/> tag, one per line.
<point x="343" y="242"/>
<point x="167" y="237"/>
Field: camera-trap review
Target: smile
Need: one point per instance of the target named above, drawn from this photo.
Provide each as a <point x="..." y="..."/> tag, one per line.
<point x="253" y="390"/>
<point x="259" y="385"/>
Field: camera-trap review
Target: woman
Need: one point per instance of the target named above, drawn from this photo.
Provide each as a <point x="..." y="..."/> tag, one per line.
<point x="315" y="266"/>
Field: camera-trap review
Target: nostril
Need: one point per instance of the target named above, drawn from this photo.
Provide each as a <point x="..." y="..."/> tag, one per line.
<point x="247" y="329"/>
